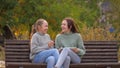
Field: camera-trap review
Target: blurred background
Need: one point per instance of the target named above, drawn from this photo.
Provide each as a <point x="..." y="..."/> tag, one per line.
<point x="96" y="19"/>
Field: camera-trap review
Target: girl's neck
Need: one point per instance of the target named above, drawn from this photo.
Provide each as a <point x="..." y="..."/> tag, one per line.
<point x="41" y="33"/>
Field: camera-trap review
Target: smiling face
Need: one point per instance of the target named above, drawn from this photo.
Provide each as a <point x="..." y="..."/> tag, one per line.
<point x="42" y="26"/>
<point x="64" y="27"/>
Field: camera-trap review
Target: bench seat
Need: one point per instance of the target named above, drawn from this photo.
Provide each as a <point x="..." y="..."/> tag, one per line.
<point x="81" y="65"/>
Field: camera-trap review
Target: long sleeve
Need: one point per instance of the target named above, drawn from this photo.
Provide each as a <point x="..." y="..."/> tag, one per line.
<point x="36" y="46"/>
<point x="38" y="43"/>
<point x="70" y="40"/>
<point x="80" y="46"/>
<point x="57" y="42"/>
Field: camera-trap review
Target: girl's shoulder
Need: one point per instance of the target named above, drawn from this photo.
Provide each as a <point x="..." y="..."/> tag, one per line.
<point x="47" y="34"/>
<point x="58" y="35"/>
<point x="77" y="34"/>
<point x="35" y="34"/>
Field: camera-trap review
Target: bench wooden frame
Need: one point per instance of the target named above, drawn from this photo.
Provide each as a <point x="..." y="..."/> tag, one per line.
<point x="99" y="54"/>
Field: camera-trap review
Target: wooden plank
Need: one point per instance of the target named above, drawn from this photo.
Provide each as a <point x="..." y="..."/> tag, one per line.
<point x="14" y="56"/>
<point x="98" y="60"/>
<point x="81" y="65"/>
<point x="101" y="54"/>
<point x="17" y="53"/>
<point x="100" y="42"/>
<point x="17" y="50"/>
<point x="18" y="42"/>
<point x="17" y="60"/>
<point x="22" y="65"/>
<point x="99" y="57"/>
<point x="17" y="46"/>
<point x="101" y="47"/>
<point x="101" y="50"/>
<point x="95" y="65"/>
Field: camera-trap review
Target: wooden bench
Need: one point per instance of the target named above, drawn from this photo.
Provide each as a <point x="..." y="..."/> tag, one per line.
<point x="99" y="54"/>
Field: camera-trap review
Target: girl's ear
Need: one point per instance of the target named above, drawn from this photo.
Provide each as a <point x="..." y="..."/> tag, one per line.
<point x="37" y="27"/>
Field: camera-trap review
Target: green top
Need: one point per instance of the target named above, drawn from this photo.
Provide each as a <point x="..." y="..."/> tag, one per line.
<point x="70" y="40"/>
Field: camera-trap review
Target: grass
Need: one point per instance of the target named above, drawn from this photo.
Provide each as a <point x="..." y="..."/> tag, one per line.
<point x="2" y="57"/>
<point x="2" y="54"/>
<point x="119" y="51"/>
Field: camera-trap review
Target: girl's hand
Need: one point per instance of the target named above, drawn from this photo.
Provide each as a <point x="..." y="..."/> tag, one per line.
<point x="75" y="50"/>
<point x="51" y="43"/>
<point x="60" y="49"/>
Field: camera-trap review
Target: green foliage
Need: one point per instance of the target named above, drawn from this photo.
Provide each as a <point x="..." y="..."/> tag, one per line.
<point x="24" y="13"/>
<point x="7" y="4"/>
<point x="6" y="7"/>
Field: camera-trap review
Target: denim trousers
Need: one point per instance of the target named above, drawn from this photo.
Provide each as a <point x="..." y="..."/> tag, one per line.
<point x="47" y="56"/>
<point x="66" y="56"/>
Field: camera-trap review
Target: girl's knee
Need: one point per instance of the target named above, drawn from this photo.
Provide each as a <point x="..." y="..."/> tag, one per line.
<point x="68" y="58"/>
<point x="66" y="49"/>
<point x="50" y="62"/>
<point x="54" y="50"/>
<point x="50" y="59"/>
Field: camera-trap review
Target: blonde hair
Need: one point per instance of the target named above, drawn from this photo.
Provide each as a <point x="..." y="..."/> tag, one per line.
<point x="35" y="26"/>
<point x="33" y="30"/>
<point x="39" y="22"/>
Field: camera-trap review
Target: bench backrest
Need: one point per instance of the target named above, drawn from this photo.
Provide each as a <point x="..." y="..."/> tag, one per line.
<point x="96" y="51"/>
<point x="17" y="50"/>
<point x="100" y="52"/>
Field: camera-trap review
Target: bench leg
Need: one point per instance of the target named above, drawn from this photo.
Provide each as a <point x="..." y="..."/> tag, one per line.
<point x="21" y="67"/>
<point x="108" y="67"/>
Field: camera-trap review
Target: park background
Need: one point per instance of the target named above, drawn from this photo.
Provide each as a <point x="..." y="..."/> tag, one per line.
<point x="95" y="19"/>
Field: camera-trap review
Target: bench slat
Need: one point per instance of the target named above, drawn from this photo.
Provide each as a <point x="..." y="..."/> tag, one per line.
<point x="17" y="50"/>
<point x="101" y="50"/>
<point x="100" y="47"/>
<point x="18" y="42"/>
<point x="81" y="65"/>
<point x="99" y="57"/>
<point x="100" y="42"/>
<point x="98" y="60"/>
<point x="17" y="46"/>
<point x="17" y="60"/>
<point x="101" y="54"/>
<point x="13" y="56"/>
<point x="17" y="53"/>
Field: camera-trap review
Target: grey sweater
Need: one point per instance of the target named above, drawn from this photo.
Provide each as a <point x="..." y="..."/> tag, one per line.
<point x="39" y="42"/>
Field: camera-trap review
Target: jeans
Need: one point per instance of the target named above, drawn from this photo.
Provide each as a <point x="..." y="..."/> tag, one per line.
<point x="67" y="56"/>
<point x="47" y="56"/>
